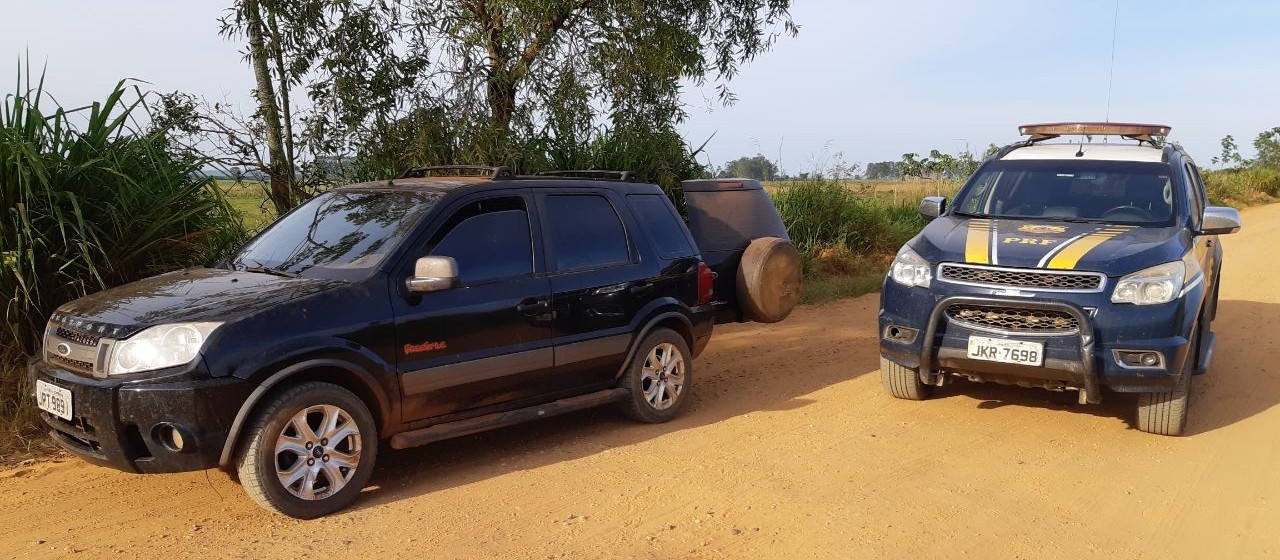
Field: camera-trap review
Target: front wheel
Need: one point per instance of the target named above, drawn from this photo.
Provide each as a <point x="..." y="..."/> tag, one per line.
<point x="1166" y="413"/>
<point x="309" y="452"/>
<point x="902" y="382"/>
<point x="658" y="378"/>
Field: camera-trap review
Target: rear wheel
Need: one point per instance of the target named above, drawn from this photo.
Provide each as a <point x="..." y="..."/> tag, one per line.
<point x="658" y="378"/>
<point x="902" y="382"/>
<point x="309" y="452"/>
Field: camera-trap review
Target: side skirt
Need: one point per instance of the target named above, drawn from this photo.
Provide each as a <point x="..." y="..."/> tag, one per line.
<point x="479" y="424"/>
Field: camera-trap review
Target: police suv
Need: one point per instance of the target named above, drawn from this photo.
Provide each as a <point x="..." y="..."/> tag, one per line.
<point x="1067" y="266"/>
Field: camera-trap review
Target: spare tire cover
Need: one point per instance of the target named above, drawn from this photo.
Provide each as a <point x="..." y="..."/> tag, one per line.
<point x="769" y="280"/>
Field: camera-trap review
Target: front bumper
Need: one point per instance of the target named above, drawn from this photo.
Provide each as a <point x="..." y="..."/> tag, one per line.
<point x="1084" y="360"/>
<point x="118" y="423"/>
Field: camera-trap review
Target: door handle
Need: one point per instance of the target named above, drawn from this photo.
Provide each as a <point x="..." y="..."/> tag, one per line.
<point x="533" y="306"/>
<point x="641" y="289"/>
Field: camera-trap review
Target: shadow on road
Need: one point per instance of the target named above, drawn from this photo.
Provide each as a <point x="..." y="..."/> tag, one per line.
<point x="747" y="369"/>
<point x="1243" y="378"/>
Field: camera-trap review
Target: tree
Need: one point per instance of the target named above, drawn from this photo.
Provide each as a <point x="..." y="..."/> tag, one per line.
<point x="1268" y="146"/>
<point x="1230" y="156"/>
<point x="992" y="150"/>
<point x="911" y="165"/>
<point x="755" y="167"/>
<point x="883" y="170"/>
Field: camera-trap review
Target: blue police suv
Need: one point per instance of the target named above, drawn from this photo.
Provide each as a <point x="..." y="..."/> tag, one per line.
<point x="1070" y="266"/>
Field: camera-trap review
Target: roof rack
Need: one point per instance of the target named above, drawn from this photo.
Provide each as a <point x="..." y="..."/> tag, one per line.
<point x="494" y="172"/>
<point x="590" y="174"/>
<point x="1153" y="134"/>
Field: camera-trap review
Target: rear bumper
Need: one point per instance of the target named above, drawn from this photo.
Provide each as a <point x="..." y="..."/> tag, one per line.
<point x="1085" y="360"/>
<point x="118" y="424"/>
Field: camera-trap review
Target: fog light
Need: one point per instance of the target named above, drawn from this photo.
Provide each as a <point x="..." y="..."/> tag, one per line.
<point x="905" y="335"/>
<point x="1138" y="358"/>
<point x="172" y="437"/>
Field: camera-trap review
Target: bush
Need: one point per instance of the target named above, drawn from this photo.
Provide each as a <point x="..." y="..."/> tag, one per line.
<point x="1243" y="187"/>
<point x="89" y="200"/>
<point x="826" y="220"/>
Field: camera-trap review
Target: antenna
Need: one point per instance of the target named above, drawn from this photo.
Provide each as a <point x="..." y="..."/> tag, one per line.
<point x="1112" y="74"/>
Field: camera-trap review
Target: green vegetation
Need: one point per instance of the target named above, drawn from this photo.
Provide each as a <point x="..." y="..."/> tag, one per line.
<point x="1243" y="187"/>
<point x="846" y="236"/>
<point x="89" y="200"/>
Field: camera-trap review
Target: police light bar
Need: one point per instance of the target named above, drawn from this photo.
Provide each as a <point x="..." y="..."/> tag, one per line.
<point x="1135" y="131"/>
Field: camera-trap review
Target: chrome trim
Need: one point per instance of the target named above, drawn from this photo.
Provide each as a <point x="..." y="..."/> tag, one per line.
<point x="1187" y="288"/>
<point x="1102" y="278"/>
<point x="1115" y="355"/>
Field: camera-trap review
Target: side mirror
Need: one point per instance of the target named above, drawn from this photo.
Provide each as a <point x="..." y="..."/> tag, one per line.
<point x="932" y="206"/>
<point x="1219" y="220"/>
<point x="432" y="274"/>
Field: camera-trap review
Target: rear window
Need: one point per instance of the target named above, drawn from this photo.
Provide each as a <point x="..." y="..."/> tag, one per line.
<point x="1091" y="191"/>
<point x="663" y="225"/>
<point x="586" y="232"/>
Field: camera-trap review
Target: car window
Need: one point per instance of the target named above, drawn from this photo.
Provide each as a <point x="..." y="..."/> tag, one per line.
<point x="1100" y="191"/>
<point x="1196" y="197"/>
<point x="663" y="225"/>
<point x="490" y="240"/>
<point x="338" y="232"/>
<point x="586" y="232"/>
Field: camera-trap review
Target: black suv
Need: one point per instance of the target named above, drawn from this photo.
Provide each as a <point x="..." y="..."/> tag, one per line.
<point x="410" y="311"/>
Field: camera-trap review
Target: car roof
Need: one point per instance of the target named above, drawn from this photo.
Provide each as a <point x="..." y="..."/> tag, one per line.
<point x="473" y="184"/>
<point x="1105" y="152"/>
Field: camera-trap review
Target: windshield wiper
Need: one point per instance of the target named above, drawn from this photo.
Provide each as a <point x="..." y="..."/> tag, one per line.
<point x="267" y="270"/>
<point x="968" y="214"/>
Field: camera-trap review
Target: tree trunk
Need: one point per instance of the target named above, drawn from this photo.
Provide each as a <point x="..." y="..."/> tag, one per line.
<point x="286" y="112"/>
<point x="279" y="168"/>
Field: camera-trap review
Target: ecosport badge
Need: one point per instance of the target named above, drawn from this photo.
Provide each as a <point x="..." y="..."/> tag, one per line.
<point x="1040" y="229"/>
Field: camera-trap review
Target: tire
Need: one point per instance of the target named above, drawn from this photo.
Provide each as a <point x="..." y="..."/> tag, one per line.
<point x="902" y="382"/>
<point x="769" y="280"/>
<point x="322" y="482"/>
<point x="1166" y="413"/>
<point x="661" y="365"/>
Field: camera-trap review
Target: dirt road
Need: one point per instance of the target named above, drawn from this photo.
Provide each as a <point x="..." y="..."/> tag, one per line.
<point x="790" y="450"/>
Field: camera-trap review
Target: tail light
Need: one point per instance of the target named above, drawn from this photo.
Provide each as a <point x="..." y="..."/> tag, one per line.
<point x="706" y="282"/>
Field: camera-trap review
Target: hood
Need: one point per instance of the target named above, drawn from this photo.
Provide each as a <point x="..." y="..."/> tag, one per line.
<point x="1053" y="244"/>
<point x="200" y="294"/>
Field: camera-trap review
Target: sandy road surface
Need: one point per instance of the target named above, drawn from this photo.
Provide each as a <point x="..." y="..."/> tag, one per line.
<point x="790" y="450"/>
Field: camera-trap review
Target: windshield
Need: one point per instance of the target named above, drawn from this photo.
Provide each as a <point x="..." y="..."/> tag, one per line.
<point x="1093" y="191"/>
<point x="346" y="232"/>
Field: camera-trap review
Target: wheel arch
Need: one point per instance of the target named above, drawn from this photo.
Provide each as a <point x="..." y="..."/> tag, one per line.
<point x="674" y="320"/>
<point x="338" y="372"/>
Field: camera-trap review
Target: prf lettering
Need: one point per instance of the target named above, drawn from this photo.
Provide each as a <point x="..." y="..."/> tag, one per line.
<point x="1029" y="241"/>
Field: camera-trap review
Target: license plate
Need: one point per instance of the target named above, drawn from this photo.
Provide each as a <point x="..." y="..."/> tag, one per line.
<point x="1006" y="351"/>
<point x="53" y="399"/>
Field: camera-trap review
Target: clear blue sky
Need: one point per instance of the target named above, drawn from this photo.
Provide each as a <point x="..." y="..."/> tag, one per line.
<point x="870" y="79"/>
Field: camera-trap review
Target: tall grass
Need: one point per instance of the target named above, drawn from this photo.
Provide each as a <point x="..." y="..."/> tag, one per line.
<point x="824" y="214"/>
<point x="1243" y="187"/>
<point x="90" y="199"/>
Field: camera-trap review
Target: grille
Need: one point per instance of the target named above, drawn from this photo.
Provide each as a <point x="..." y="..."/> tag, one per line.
<point x="1014" y="278"/>
<point x="1014" y="319"/>
<point x="74" y="365"/>
<point x="77" y="337"/>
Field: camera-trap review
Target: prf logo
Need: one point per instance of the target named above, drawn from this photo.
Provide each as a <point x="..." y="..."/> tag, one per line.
<point x="1038" y="229"/>
<point x="424" y="347"/>
<point x="1027" y="241"/>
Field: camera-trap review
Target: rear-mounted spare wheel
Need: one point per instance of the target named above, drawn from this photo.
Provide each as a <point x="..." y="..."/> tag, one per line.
<point x="769" y="280"/>
<point x="742" y="238"/>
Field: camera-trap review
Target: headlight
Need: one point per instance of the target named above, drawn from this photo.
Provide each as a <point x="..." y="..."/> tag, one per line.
<point x="1158" y="284"/>
<point x="159" y="347"/>
<point x="911" y="270"/>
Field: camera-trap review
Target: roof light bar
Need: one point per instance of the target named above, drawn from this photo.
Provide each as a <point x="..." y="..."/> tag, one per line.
<point x="1144" y="132"/>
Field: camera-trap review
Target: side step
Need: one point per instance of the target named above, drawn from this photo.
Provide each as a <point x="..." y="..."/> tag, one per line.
<point x="487" y="422"/>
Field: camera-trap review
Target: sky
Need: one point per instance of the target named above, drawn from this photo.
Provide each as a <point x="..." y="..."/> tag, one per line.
<point x="868" y="81"/>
